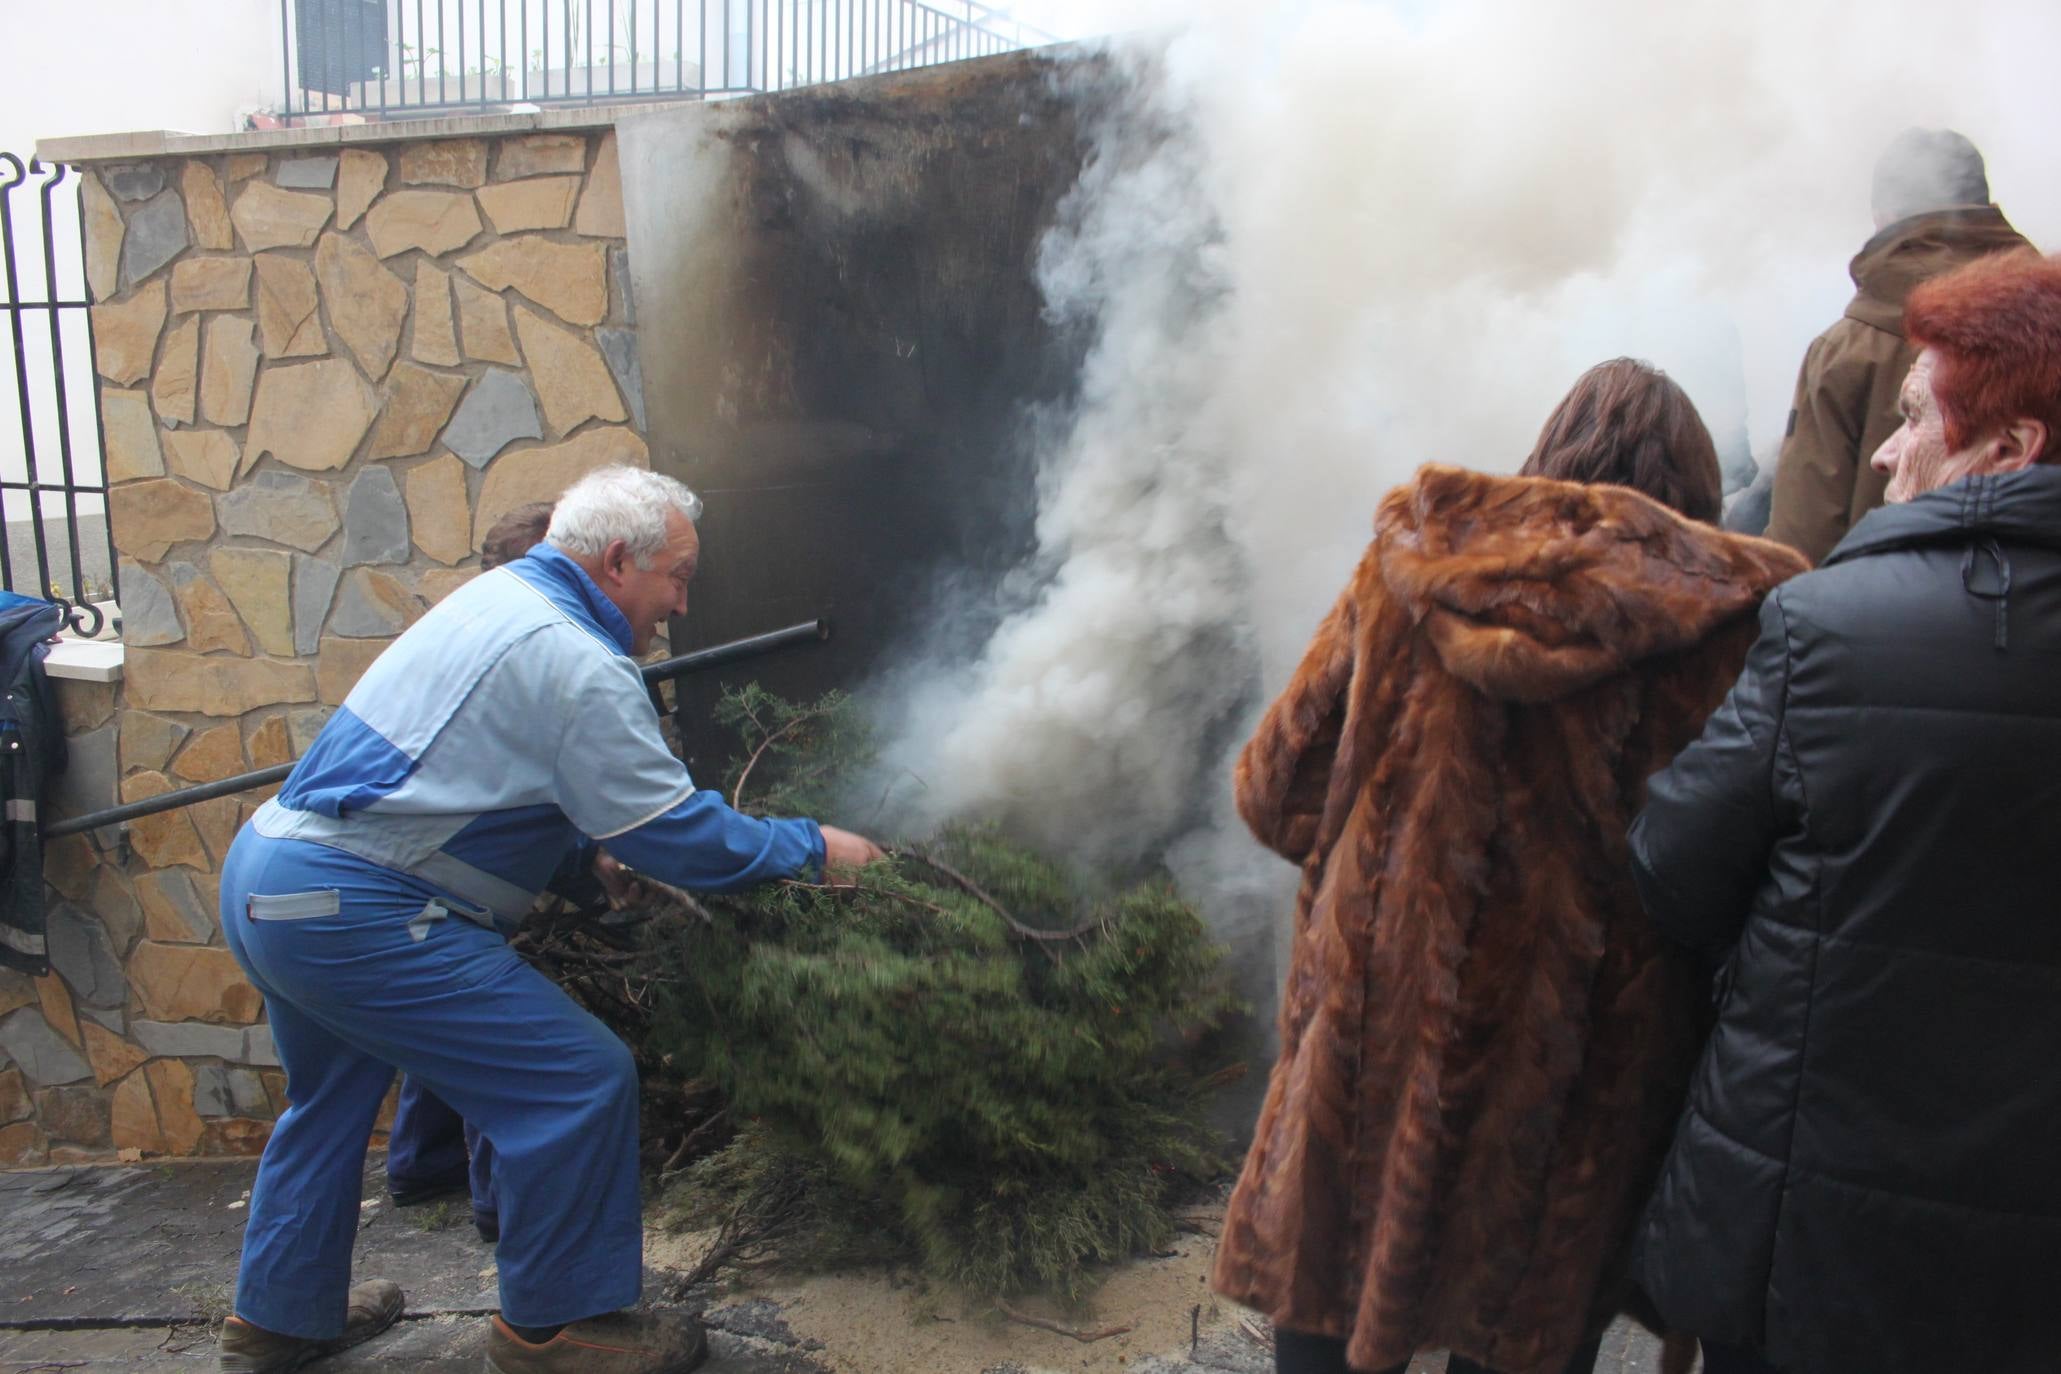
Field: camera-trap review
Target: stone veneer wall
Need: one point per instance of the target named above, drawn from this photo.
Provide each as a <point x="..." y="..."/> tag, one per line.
<point x="322" y="376"/>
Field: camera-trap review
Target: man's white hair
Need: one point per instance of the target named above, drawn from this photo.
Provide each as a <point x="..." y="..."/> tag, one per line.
<point x="623" y="503"/>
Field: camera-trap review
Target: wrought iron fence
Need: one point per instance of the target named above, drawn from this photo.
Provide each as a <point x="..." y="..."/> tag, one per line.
<point x="53" y="490"/>
<point x="396" y="58"/>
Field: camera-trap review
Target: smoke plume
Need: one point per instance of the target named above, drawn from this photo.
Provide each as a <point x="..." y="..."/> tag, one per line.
<point x="1320" y="244"/>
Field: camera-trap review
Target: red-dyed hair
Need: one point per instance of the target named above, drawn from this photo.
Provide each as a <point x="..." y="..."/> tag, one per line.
<point x="1996" y="328"/>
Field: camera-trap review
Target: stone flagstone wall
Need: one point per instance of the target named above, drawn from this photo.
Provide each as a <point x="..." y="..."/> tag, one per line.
<point x="323" y="374"/>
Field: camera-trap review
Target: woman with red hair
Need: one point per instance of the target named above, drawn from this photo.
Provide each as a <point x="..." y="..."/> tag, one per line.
<point x="1868" y="839"/>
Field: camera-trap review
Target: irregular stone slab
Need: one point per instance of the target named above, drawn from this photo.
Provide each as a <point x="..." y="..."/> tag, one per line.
<point x="436" y="333"/>
<point x="437" y="583"/>
<point x="288" y="324"/>
<point x="247" y="1092"/>
<point x="358" y="183"/>
<point x="311" y="415"/>
<point x="244" y="166"/>
<point x="130" y="436"/>
<point x="434" y="221"/>
<point x="304" y="725"/>
<point x="175" y="386"/>
<point x="568" y="279"/>
<point x="483" y="320"/>
<point x="80" y="950"/>
<point x="341" y="663"/>
<point x="134" y="1125"/>
<point x="375" y="520"/>
<point x="211" y="284"/>
<point x="44" y="1057"/>
<point x="542" y="474"/>
<point x="110" y="1054"/>
<point x="211" y="623"/>
<point x="212" y="754"/>
<point x="207" y="456"/>
<point x="268" y="217"/>
<point x="88" y="780"/>
<point x="149" y="517"/>
<point x="540" y="203"/>
<point x="269" y="745"/>
<point x="229" y="366"/>
<point x="572" y="380"/>
<point x="207" y="209"/>
<point x="497" y="411"/>
<point x="103" y="238"/>
<point x="373" y="606"/>
<point x="418" y="403"/>
<point x="125" y="335"/>
<point x="281" y="506"/>
<point x="540" y="155"/>
<point x="148" y="741"/>
<point x="171" y="1086"/>
<point x="216" y="820"/>
<point x="149" y="616"/>
<point x="157" y="234"/>
<point x="168" y="837"/>
<point x="192" y="983"/>
<point x="83" y="706"/>
<point x="135" y="181"/>
<point x="445" y="162"/>
<point x="258" y="582"/>
<point x="601" y="208"/>
<point x="58" y="1014"/>
<point x="439" y="515"/>
<point x="114" y="900"/>
<point x="175" y="680"/>
<point x="366" y="303"/>
<point x="211" y="1089"/>
<point x="619" y="283"/>
<point x="174" y="912"/>
<point x="14" y="1096"/>
<point x="314" y="587"/>
<point x="619" y="347"/>
<point x="77" y="1116"/>
<point x="307" y="173"/>
<point x="258" y="1047"/>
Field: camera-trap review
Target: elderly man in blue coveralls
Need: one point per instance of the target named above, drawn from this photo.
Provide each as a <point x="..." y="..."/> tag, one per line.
<point x="369" y="902"/>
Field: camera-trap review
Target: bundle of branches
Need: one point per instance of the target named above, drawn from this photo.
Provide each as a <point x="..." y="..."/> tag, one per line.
<point x="969" y="1057"/>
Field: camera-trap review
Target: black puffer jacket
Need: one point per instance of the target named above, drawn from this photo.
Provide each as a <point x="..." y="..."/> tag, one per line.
<point x="1868" y="838"/>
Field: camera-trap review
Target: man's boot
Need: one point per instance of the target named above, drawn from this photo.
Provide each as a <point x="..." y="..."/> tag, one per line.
<point x="245" y="1349"/>
<point x="613" y="1343"/>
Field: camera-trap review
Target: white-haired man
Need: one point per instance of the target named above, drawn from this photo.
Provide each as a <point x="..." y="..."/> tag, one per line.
<point x="504" y="731"/>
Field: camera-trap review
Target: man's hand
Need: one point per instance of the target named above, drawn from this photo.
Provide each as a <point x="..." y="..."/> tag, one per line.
<point x="623" y="886"/>
<point x="845" y="852"/>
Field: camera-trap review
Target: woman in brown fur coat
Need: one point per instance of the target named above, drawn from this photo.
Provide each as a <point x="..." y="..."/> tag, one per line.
<point x="1484" y="1045"/>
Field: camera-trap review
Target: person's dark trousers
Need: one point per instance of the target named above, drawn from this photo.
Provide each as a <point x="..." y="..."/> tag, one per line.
<point x="1298" y="1353"/>
<point x="432" y="1151"/>
<point x="425" y="1151"/>
<point x="1732" y="1359"/>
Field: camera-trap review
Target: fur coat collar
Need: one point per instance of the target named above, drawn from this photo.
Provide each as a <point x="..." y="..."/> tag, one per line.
<point x="1483" y="1045"/>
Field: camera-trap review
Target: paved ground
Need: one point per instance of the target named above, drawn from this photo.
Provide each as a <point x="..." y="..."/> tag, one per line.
<point x="127" y="1268"/>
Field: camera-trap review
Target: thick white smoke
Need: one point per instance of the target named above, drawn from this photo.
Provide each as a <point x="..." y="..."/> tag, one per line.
<point x="1328" y="242"/>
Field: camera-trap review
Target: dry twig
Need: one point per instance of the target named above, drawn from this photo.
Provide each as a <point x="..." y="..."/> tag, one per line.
<point x="1047" y="1324"/>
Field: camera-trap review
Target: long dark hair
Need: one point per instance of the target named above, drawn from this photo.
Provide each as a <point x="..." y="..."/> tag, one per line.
<point x="1627" y="423"/>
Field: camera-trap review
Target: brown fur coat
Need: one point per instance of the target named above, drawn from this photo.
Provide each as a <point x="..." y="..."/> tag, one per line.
<point x="1484" y="1046"/>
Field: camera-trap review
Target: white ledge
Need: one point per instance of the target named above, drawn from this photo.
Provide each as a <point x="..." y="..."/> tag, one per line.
<point x="149" y="143"/>
<point x="85" y="660"/>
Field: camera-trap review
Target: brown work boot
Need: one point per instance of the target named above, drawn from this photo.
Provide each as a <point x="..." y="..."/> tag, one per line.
<point x="613" y="1343"/>
<point x="245" y="1349"/>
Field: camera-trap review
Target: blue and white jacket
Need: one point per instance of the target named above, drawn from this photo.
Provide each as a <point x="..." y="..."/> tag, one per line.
<point x="503" y="727"/>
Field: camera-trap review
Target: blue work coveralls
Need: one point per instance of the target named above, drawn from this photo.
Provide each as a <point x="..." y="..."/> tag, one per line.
<point x="368" y="902"/>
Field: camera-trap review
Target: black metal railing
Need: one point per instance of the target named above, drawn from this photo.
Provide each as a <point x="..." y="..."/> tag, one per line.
<point x="392" y="59"/>
<point x="53" y="492"/>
